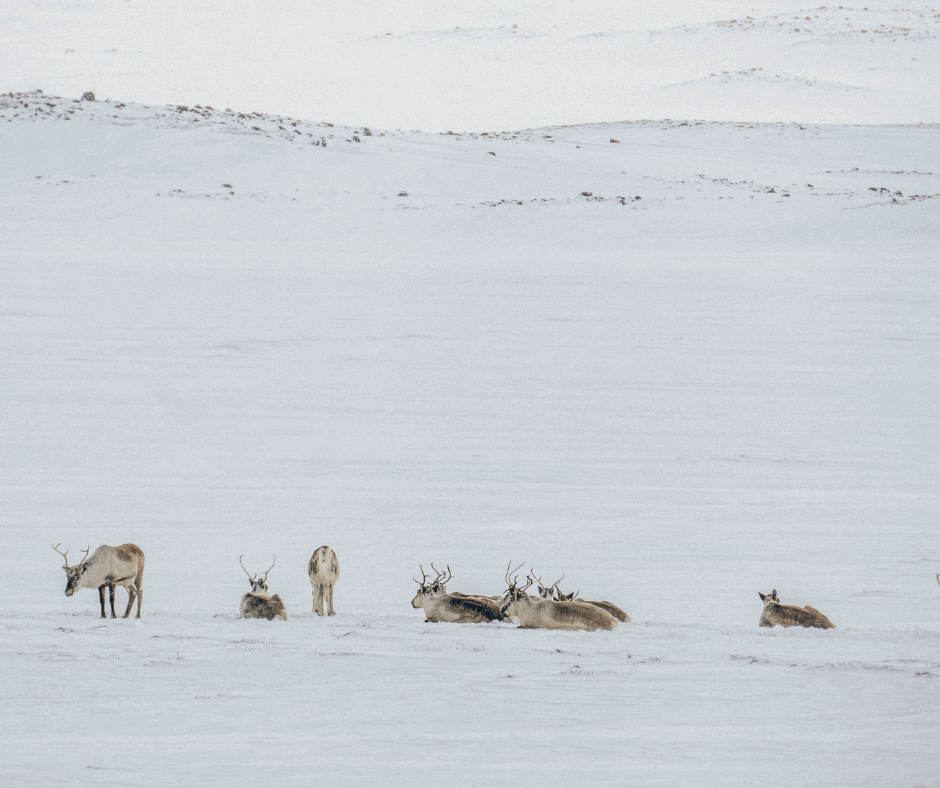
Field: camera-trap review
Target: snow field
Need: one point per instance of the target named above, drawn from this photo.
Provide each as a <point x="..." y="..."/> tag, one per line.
<point x="679" y="401"/>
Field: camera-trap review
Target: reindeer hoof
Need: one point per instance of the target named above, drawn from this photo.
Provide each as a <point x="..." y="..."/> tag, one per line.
<point x="332" y="612"/>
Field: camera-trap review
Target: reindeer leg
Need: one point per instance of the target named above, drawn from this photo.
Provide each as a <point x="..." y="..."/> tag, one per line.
<point x="329" y="600"/>
<point x="318" y="600"/>
<point x="138" y="585"/>
<point x="111" y="590"/>
<point x="101" y="598"/>
<point x="131" y="593"/>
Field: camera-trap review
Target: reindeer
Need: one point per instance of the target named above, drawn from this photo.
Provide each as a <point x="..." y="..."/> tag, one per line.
<point x="775" y="614"/>
<point x="107" y="567"/>
<point x="535" y="613"/>
<point x="258" y="603"/>
<point x="323" y="570"/>
<point x="438" y="605"/>
<point x="439" y="586"/>
<point x="610" y="607"/>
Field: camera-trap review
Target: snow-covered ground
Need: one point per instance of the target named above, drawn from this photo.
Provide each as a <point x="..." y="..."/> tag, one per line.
<point x="679" y="361"/>
<point x="441" y="65"/>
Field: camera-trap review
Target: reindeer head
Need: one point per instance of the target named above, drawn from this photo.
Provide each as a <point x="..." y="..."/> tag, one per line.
<point x="514" y="594"/>
<point x="259" y="585"/>
<point x="424" y="589"/>
<point x="548" y="592"/>
<point x="73" y="574"/>
<point x="769" y="599"/>
<point x="439" y="585"/>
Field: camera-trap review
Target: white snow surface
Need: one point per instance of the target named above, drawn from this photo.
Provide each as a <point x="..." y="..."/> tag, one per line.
<point x="693" y="364"/>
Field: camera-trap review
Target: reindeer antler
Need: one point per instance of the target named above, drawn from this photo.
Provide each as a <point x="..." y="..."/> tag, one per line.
<point x="424" y="578"/>
<point x="269" y="569"/>
<point x="65" y="555"/>
<point x="438" y="572"/>
<point x="84" y="556"/>
<point x="450" y="575"/>
<point x="509" y="571"/>
<point x="250" y="577"/>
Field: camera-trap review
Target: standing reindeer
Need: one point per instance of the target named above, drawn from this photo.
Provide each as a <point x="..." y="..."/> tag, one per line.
<point x="323" y="570"/>
<point x="258" y="603"/>
<point x="107" y="567"/>
<point x="775" y="614"/>
<point x="439" y="606"/>
<point x="535" y="613"/>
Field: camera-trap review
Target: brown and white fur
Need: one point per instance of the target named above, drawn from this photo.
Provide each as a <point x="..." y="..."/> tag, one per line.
<point x="610" y="607"/>
<point x="439" y="606"/>
<point x="323" y="570"/>
<point x="535" y="613"/>
<point x="775" y="614"/>
<point x="258" y="603"/>
<point x="108" y="567"/>
<point x="439" y="586"/>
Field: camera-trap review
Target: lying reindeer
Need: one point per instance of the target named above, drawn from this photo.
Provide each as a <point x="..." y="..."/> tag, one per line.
<point x="108" y="567"/>
<point x="775" y="614"/>
<point x="554" y="591"/>
<point x="258" y="603"/>
<point x="439" y="606"/>
<point x="438" y="585"/>
<point x="535" y="613"/>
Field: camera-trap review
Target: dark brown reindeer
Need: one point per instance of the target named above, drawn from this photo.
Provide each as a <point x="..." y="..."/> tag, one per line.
<point x="776" y="614"/>
<point x="439" y="606"/>
<point x="107" y="567"/>
<point x="258" y="603"/>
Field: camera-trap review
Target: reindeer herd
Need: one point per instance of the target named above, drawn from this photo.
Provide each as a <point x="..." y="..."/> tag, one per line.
<point x="109" y="567"/>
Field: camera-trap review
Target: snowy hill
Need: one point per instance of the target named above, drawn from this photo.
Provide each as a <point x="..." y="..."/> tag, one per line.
<point x="680" y="361"/>
<point x="463" y="66"/>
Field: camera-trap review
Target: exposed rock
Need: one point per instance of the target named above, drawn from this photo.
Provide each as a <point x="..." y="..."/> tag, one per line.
<point x="88" y="96"/>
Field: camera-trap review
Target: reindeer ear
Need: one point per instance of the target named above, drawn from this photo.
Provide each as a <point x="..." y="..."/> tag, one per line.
<point x="762" y="596"/>
<point x="774" y="595"/>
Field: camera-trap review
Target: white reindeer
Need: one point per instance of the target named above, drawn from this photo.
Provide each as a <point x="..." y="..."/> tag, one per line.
<point x="535" y="613"/>
<point x="258" y="603"/>
<point x="323" y="570"/>
<point x="107" y="567"/>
